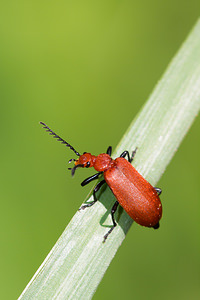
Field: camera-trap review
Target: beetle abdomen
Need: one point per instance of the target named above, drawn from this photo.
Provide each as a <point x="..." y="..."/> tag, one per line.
<point x="134" y="193"/>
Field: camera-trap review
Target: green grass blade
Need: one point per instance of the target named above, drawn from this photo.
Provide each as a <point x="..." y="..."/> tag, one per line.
<point x="79" y="259"/>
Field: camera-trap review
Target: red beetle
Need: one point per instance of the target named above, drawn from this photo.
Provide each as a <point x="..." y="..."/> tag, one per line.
<point x="136" y="195"/>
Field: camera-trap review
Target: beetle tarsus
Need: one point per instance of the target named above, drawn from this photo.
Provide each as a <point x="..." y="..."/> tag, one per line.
<point x="133" y="154"/>
<point x="113" y="210"/>
<point x="109" y="232"/>
<point x="158" y="190"/>
<point x="156" y="226"/>
<point x="87" y="205"/>
<point x="130" y="158"/>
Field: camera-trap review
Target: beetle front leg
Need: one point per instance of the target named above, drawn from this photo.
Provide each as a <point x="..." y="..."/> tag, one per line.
<point x="109" y="150"/>
<point x="113" y="210"/>
<point x="89" y="179"/>
<point x="133" y="154"/>
<point x="97" y="187"/>
<point x="130" y="158"/>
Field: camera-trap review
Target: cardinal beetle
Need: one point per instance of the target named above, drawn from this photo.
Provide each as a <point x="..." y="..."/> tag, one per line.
<point x="136" y="195"/>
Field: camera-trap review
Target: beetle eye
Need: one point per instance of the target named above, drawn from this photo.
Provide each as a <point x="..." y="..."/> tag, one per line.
<point x="87" y="164"/>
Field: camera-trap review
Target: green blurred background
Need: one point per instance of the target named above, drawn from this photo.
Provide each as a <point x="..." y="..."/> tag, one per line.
<point x="86" y="68"/>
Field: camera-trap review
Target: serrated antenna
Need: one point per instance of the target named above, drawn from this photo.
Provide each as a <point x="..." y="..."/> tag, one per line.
<point x="59" y="139"/>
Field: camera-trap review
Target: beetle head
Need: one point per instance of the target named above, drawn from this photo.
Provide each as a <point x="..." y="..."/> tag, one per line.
<point x="86" y="160"/>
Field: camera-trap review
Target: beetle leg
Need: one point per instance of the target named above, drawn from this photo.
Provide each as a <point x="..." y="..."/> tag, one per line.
<point x="109" y="150"/>
<point x="89" y="179"/>
<point x="133" y="154"/>
<point x="158" y="190"/>
<point x="124" y="155"/>
<point x="97" y="187"/>
<point x="113" y="210"/>
<point x="156" y="226"/>
<point x="130" y="158"/>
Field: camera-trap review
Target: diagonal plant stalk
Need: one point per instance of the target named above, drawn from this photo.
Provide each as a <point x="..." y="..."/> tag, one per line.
<point x="76" y="264"/>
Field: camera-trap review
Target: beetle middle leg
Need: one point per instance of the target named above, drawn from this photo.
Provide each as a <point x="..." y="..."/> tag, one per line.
<point x="113" y="210"/>
<point x="97" y="187"/>
<point x="130" y="158"/>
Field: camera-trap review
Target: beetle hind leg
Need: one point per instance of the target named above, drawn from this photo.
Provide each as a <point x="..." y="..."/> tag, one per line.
<point x="158" y="190"/>
<point x="113" y="210"/>
<point x="156" y="226"/>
